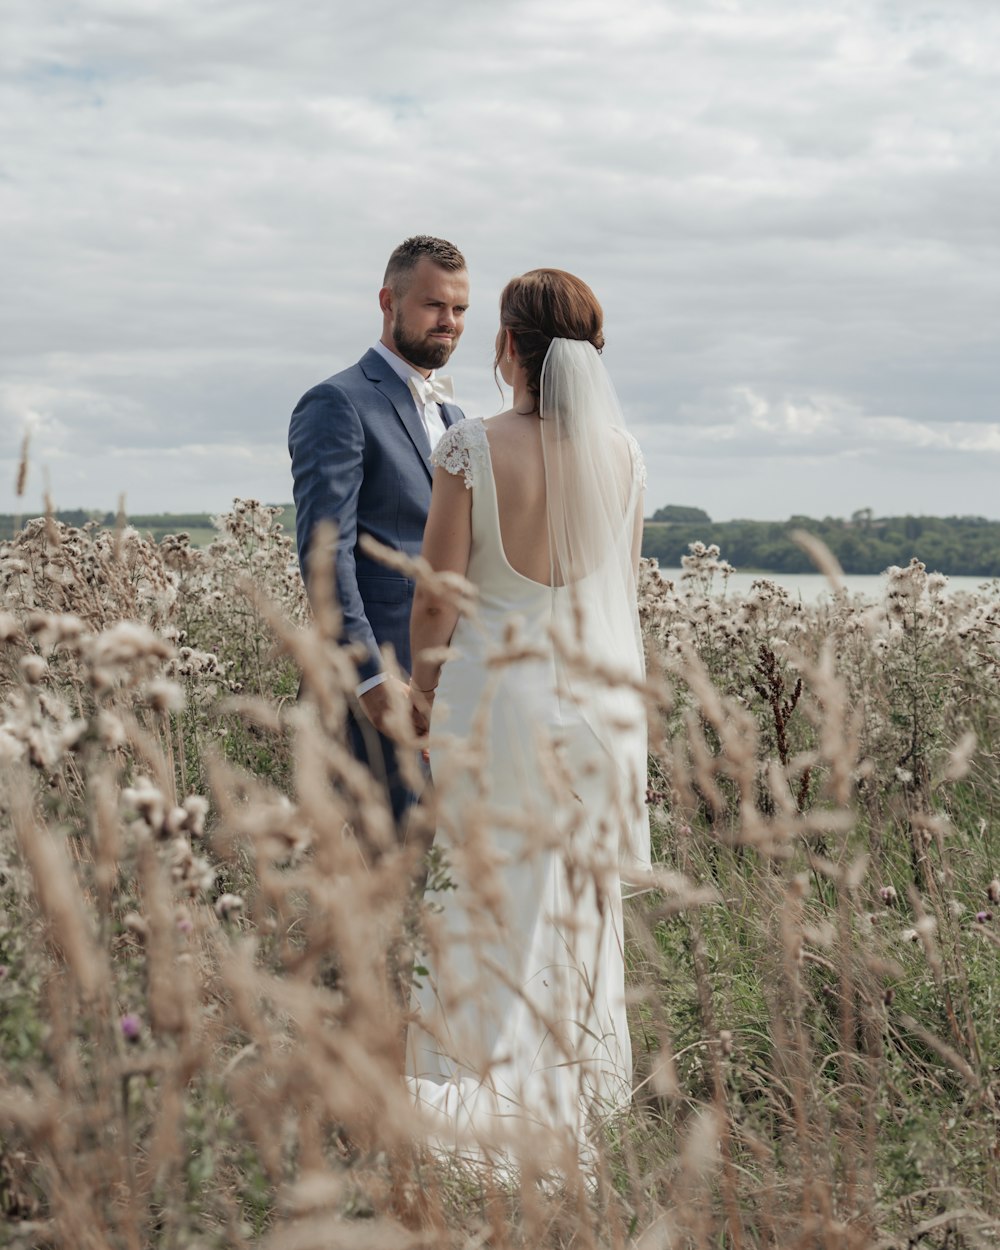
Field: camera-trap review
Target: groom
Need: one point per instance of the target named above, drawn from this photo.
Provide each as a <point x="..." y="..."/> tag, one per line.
<point x="360" y="444"/>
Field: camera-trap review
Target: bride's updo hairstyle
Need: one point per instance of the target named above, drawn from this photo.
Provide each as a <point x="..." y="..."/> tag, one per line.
<point x="542" y="305"/>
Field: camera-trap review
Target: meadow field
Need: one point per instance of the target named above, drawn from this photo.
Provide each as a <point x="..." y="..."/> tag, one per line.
<point x="205" y="923"/>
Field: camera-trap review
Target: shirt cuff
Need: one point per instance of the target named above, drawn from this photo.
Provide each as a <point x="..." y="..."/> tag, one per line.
<point x="369" y="684"/>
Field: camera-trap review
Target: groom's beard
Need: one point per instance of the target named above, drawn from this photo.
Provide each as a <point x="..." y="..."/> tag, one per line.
<point x="422" y="352"/>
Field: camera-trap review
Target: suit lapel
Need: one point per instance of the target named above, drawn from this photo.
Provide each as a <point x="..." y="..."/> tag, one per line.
<point x="452" y="413"/>
<point x="396" y="391"/>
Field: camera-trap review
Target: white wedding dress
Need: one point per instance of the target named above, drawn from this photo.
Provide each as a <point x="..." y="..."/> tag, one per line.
<point x="519" y="1040"/>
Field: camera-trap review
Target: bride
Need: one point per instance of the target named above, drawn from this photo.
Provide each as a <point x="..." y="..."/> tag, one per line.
<point x="537" y="746"/>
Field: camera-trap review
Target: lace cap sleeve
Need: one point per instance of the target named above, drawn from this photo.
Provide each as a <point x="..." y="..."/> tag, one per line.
<point x="638" y="463"/>
<point x="463" y="449"/>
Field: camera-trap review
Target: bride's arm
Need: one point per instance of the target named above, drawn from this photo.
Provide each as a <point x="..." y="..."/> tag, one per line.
<point x="447" y="541"/>
<point x="637" y="527"/>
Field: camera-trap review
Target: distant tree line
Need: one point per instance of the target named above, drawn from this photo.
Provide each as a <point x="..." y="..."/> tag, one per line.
<point x="675" y="512"/>
<point x="959" y="546"/>
<point x="77" y="516"/>
<point x="968" y="546"/>
<point x="158" y="524"/>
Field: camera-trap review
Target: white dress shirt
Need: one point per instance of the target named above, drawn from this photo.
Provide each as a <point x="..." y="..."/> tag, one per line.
<point x="431" y="413"/>
<point x="433" y="419"/>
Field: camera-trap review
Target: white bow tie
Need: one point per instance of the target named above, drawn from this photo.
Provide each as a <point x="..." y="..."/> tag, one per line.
<point x="435" y="390"/>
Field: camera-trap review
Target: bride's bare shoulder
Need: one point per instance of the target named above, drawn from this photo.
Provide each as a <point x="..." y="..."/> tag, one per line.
<point x="515" y="441"/>
<point x="500" y="422"/>
<point x="510" y="426"/>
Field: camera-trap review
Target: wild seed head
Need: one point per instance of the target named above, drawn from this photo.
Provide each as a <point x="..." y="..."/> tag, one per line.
<point x="163" y="695"/>
<point x="126" y="643"/>
<point x="191" y="873"/>
<point x="227" y="905"/>
<point x="10" y="628"/>
<point x="12" y="749"/>
<point x="33" y="668"/>
<point x="137" y="925"/>
<point x="196" y="809"/>
<point x="110" y="731"/>
<point x="147" y="801"/>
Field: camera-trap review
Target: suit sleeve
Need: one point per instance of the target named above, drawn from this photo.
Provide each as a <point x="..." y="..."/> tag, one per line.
<point x="327" y="443"/>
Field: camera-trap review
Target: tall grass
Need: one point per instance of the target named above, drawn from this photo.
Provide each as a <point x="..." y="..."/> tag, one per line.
<point x="207" y="923"/>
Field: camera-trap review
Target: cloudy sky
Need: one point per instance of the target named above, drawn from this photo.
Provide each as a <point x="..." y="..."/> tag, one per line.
<point x="791" y="213"/>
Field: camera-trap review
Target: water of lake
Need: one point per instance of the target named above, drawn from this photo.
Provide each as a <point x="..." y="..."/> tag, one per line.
<point x="810" y="587"/>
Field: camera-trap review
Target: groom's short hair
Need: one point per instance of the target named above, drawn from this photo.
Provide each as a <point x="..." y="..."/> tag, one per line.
<point x="404" y="259"/>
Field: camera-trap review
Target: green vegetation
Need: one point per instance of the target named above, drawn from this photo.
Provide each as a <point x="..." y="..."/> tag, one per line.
<point x="678" y="513"/>
<point x="198" y="526"/>
<point x="955" y="546"/>
<point x="199" y="1029"/>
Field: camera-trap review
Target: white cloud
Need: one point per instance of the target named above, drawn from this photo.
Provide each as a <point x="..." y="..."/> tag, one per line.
<point x="772" y="200"/>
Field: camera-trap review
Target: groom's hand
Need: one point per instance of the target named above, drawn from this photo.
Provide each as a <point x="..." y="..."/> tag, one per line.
<point x="377" y="702"/>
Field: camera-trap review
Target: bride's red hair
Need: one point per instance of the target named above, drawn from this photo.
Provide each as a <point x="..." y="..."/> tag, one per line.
<point x="542" y="305"/>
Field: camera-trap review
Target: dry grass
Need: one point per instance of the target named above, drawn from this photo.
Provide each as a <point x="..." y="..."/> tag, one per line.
<point x="199" y="1029"/>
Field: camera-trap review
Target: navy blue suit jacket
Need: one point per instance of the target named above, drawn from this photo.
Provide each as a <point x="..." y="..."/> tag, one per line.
<point x="361" y="458"/>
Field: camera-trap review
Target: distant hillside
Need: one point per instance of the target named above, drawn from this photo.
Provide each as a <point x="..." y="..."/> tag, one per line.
<point x="156" y="524"/>
<point x="959" y="546"/>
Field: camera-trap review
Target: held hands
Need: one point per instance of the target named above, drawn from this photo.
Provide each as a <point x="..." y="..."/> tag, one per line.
<point x="381" y="701"/>
<point x="377" y="703"/>
<point x="421" y="705"/>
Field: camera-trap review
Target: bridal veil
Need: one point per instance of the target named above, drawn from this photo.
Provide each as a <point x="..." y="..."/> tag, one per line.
<point x="594" y="487"/>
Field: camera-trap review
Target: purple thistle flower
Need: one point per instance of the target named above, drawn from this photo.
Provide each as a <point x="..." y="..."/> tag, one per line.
<point x="131" y="1027"/>
<point x="983" y="916"/>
